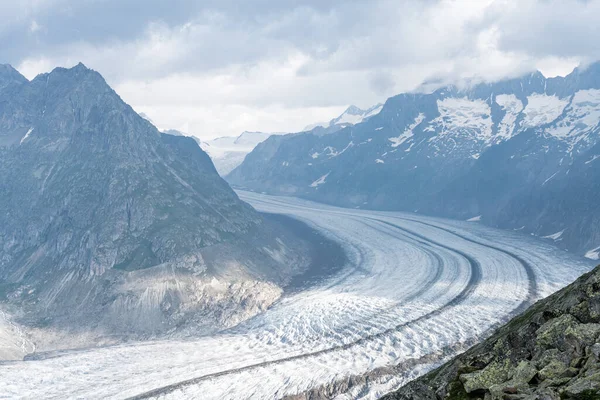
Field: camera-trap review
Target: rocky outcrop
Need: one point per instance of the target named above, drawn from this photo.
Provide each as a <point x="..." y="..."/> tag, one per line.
<point x="111" y="230"/>
<point x="550" y="352"/>
<point x="10" y="76"/>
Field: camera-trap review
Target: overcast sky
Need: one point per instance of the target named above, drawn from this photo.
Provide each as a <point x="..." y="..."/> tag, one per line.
<point x="219" y="67"/>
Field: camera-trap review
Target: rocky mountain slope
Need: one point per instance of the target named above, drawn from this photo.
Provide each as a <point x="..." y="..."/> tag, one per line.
<point x="9" y="76"/>
<point x="111" y="230"/>
<point x="550" y="352"/>
<point x="519" y="154"/>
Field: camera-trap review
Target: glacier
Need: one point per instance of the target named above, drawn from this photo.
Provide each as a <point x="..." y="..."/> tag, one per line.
<point x="415" y="291"/>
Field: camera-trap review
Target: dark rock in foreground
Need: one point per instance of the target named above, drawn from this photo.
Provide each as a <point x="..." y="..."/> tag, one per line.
<point x="551" y="352"/>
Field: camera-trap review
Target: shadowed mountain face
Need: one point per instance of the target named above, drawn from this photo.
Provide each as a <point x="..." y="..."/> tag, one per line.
<point x="109" y="226"/>
<point x="10" y="76"/>
<point x="520" y="154"/>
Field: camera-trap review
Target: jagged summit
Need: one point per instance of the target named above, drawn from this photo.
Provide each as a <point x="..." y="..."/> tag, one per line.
<point x="353" y="110"/>
<point x="9" y="75"/>
<point x="77" y="71"/>
<point x="116" y="229"/>
<point x="351" y="116"/>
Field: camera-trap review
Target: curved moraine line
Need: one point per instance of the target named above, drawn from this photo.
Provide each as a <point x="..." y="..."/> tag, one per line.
<point x="413" y="288"/>
<point x="475" y="279"/>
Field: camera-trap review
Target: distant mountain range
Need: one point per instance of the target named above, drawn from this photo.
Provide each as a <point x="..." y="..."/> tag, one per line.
<point x="521" y="154"/>
<point x="228" y="152"/>
<point x="352" y="116"/>
<point x="111" y="230"/>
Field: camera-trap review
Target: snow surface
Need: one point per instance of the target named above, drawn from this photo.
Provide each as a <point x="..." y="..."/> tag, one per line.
<point x="379" y="161"/>
<point x="373" y="112"/>
<point x="408" y="132"/>
<point x="347" y="118"/>
<point x="550" y="178"/>
<point x="26" y="136"/>
<point x="593" y="254"/>
<point x="464" y="116"/>
<point x="554" y="236"/>
<point x="332" y="152"/>
<point x="354" y="115"/>
<point x="582" y="115"/>
<point x="413" y="286"/>
<point x="320" y="181"/>
<point x="475" y="219"/>
<point x="228" y="152"/>
<point x="542" y="109"/>
<point x="594" y="158"/>
<point x="512" y="106"/>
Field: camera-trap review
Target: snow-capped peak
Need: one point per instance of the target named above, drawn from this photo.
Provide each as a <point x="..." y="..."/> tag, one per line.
<point x="351" y="116"/>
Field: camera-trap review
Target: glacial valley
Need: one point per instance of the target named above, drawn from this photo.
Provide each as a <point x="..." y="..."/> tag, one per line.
<point x="414" y="292"/>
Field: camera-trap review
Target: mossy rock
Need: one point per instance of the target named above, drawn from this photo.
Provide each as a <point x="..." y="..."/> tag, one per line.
<point x="587" y="387"/>
<point x="552" y="333"/>
<point x="495" y="373"/>
<point x="554" y="369"/>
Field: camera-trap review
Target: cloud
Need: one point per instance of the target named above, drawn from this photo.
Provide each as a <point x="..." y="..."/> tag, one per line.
<point x="224" y="66"/>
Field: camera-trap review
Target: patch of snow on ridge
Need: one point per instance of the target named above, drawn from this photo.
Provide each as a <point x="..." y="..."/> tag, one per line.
<point x="475" y="219"/>
<point x="542" y="109"/>
<point x="591" y="160"/>
<point x="593" y="254"/>
<point x="549" y="179"/>
<point x="408" y="132"/>
<point x="320" y="181"/>
<point x="348" y="118"/>
<point x="374" y="111"/>
<point x="26" y="136"/>
<point x="554" y="236"/>
<point x="464" y="116"/>
<point x="512" y="107"/>
<point x="379" y="161"/>
<point x="581" y="115"/>
<point x="334" y="153"/>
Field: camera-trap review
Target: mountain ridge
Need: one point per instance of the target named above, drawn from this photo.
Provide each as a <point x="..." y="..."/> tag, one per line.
<point x="114" y="231"/>
<point x="454" y="152"/>
<point x="351" y="116"/>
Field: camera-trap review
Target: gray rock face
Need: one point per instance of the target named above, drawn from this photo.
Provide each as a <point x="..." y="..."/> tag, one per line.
<point x="550" y="352"/>
<point x="521" y="154"/>
<point x="10" y="76"/>
<point x="109" y="228"/>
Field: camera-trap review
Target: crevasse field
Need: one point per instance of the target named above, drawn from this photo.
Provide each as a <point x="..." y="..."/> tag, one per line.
<point x="416" y="291"/>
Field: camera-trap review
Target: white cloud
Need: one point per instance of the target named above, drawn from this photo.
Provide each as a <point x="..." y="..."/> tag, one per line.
<point x="228" y="66"/>
<point x="34" y="27"/>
